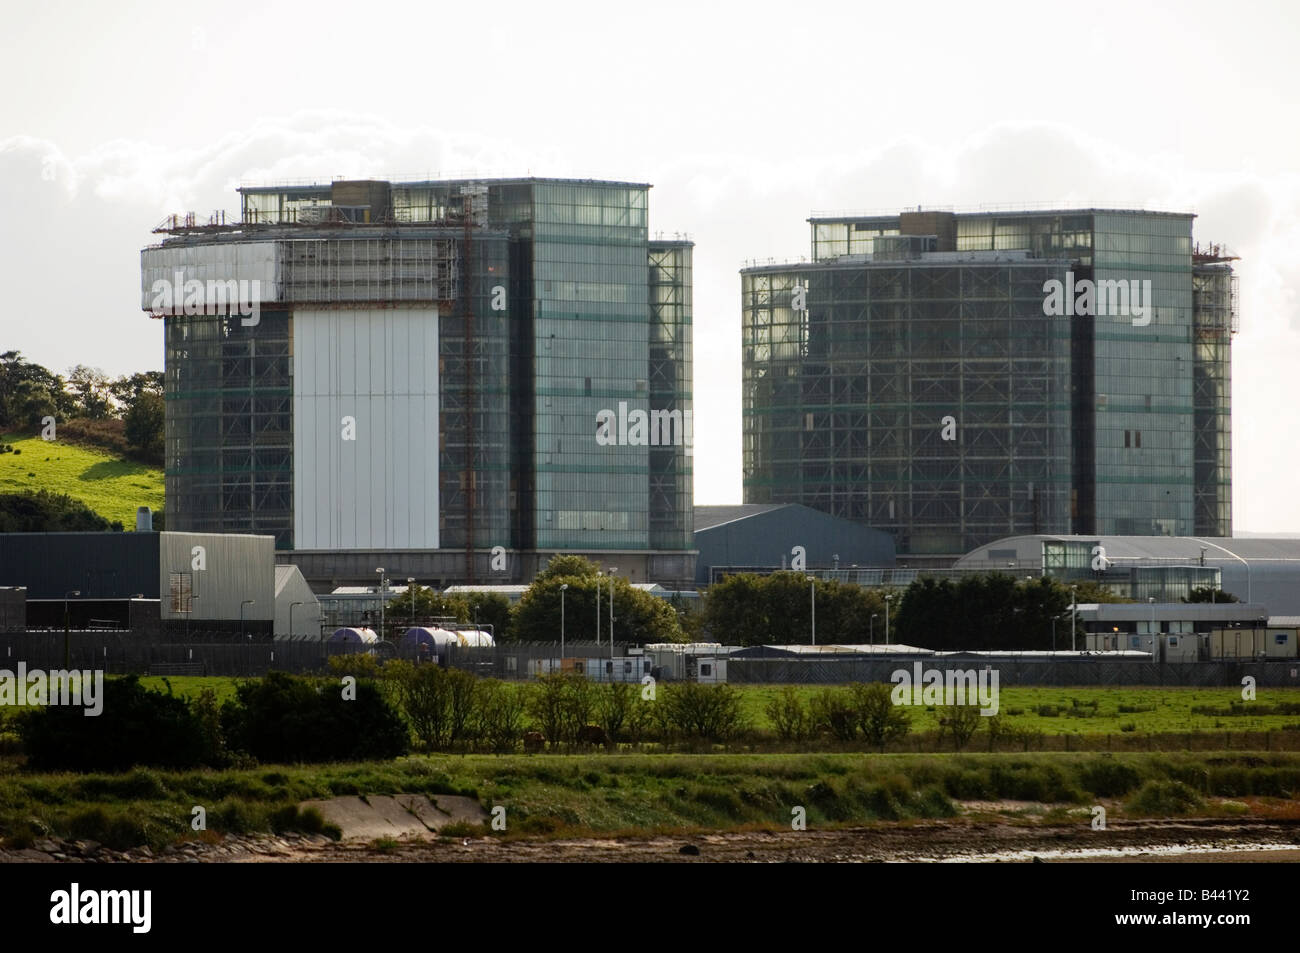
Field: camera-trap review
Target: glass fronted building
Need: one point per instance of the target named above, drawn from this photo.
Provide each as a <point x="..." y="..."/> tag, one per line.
<point x="954" y="378"/>
<point x="513" y="355"/>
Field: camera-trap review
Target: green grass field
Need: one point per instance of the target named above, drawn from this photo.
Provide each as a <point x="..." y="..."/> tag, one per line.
<point x="110" y="486"/>
<point x="1170" y="709"/>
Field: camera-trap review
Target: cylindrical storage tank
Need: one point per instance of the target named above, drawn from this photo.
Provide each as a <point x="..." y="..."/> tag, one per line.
<point x="354" y="636"/>
<point x="143" y="519"/>
<point x="474" y="639"/>
<point x="421" y="635"/>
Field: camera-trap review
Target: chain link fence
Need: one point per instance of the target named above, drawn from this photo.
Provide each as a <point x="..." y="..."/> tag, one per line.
<point x="1021" y="672"/>
<point x="122" y="653"/>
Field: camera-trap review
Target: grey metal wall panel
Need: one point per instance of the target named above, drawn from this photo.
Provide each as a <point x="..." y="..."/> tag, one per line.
<point x="237" y="568"/>
<point x="101" y="565"/>
<point x="766" y="539"/>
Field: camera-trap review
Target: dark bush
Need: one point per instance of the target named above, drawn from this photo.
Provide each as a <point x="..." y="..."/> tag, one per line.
<point x="1109" y="778"/>
<point x="286" y="719"/>
<point x="136" y="726"/>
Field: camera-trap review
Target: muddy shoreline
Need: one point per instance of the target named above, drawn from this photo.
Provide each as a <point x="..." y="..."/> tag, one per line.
<point x="958" y="840"/>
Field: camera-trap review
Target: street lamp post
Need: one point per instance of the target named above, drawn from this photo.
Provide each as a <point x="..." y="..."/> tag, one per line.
<point x="383" y="587"/>
<point x="248" y="642"/>
<point x="812" y="594"/>
<point x="291" y="605"/>
<point x="1155" y="636"/>
<point x="888" y="599"/>
<point x="1074" y="599"/>
<point x="564" y="587"/>
<point x="874" y="617"/>
<point x="67" y="627"/>
<point x="612" y="571"/>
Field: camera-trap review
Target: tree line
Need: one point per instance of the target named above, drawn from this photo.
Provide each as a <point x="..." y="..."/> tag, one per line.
<point x="123" y="414"/>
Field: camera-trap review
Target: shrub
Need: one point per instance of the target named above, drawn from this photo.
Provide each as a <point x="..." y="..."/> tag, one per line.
<point x="959" y="723"/>
<point x="357" y="664"/>
<point x="788" y="715"/>
<point x="832" y="711"/>
<point x="614" y="703"/>
<point x="287" y="719"/>
<point x="136" y="726"/>
<point x="562" y="705"/>
<point x="1109" y="778"/>
<point x="500" y="715"/>
<point x="1164" y="799"/>
<point x="876" y="715"/>
<point x="703" y="712"/>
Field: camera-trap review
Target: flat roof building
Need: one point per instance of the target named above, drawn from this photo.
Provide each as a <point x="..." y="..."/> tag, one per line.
<point x="952" y="378"/>
<point x="450" y="379"/>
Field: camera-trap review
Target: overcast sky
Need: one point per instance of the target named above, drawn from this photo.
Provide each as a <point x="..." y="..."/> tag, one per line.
<point x="745" y="117"/>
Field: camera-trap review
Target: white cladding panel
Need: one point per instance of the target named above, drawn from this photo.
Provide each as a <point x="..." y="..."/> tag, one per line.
<point x="380" y="367"/>
<point x="233" y="261"/>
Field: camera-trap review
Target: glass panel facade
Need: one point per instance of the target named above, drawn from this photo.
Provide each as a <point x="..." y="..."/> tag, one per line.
<point x="591" y="320"/>
<point x="229" y="425"/>
<point x="844" y="401"/>
<point x="1146" y="400"/>
<point x="671" y="496"/>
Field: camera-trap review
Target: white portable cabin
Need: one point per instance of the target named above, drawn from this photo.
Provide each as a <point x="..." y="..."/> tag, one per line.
<point x="710" y="670"/>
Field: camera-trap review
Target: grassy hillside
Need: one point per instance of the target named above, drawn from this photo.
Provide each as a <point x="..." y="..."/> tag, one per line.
<point x="110" y="486"/>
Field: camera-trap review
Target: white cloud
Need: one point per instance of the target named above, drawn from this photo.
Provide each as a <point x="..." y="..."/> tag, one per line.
<point x="71" y="263"/>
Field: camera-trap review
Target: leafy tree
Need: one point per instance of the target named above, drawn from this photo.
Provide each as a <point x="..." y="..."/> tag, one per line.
<point x="1210" y="594"/>
<point x="144" y="427"/>
<point x="421" y="605"/>
<point x="128" y="389"/>
<point x="493" y="609"/>
<point x="21" y="383"/>
<point x="777" y="609"/>
<point x="564" y="566"/>
<point x="638" y="616"/>
<point x="91" y="387"/>
<point x="735" y="611"/>
<point x="1091" y="591"/>
<point x="879" y="719"/>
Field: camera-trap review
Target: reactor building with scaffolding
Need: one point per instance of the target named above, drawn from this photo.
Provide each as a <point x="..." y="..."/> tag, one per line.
<point x="452" y="380"/>
<point x="954" y="378"/>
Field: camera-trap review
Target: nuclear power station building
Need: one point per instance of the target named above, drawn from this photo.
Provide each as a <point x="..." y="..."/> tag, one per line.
<point x="956" y="378"/>
<point x="451" y="380"/>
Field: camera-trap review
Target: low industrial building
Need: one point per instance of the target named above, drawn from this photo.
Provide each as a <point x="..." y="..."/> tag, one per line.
<point x="1164" y="568"/>
<point x="167" y="584"/>
<point x="769" y="537"/>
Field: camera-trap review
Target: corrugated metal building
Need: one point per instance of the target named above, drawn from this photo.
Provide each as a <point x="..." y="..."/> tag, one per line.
<point x="764" y="537"/>
<point x="211" y="581"/>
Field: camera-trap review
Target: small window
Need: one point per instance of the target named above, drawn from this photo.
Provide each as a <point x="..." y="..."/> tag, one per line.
<point x="627" y="667"/>
<point x="1281" y="638"/>
<point x="1134" y="641"/>
<point x="1173" y="640"/>
<point x="609" y="668"/>
<point x="706" y="671"/>
<point x="586" y="386"/>
<point x="577" y="667"/>
<point x="1126" y="440"/>
<point x="1137" y="439"/>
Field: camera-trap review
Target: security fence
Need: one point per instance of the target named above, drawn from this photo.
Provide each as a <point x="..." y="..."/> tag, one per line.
<point x="1017" y="672"/>
<point x="122" y="652"/>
